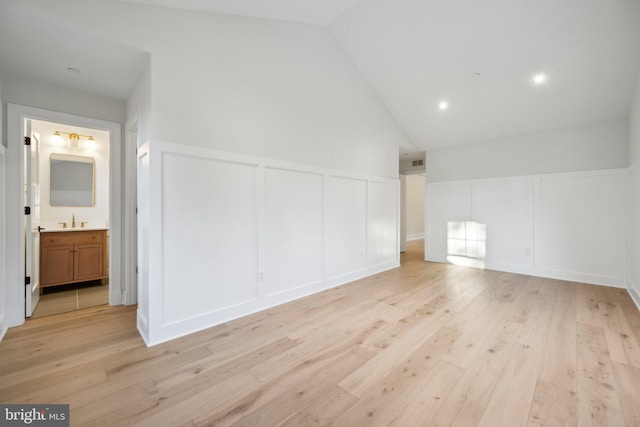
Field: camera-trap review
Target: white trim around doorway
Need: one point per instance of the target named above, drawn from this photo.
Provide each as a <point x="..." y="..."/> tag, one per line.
<point x="15" y="296"/>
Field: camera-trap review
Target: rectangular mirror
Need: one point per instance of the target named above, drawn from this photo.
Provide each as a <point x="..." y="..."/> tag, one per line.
<point x="72" y="180"/>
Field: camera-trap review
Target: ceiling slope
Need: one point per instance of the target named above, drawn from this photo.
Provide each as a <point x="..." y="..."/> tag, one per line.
<point x="320" y="12"/>
<point x="42" y="47"/>
<point x="481" y="56"/>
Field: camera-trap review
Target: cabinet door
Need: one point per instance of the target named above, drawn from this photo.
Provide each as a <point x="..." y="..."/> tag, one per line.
<point x="56" y="265"/>
<point x="87" y="262"/>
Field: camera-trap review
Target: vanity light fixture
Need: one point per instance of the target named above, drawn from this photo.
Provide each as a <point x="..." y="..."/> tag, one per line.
<point x="90" y="143"/>
<point x="56" y="139"/>
<point x="74" y="140"/>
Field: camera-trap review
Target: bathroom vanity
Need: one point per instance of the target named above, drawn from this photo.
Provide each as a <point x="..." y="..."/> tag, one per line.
<point x="73" y="255"/>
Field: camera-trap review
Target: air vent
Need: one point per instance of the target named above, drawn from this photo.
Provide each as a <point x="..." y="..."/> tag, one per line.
<point x="417" y="163"/>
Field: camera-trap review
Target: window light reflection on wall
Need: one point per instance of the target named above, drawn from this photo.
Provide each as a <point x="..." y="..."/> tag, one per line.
<point x="466" y="243"/>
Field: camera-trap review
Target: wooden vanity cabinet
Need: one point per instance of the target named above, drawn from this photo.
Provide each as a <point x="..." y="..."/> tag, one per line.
<point x="73" y="256"/>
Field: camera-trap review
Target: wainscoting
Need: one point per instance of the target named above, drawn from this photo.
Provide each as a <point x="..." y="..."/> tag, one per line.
<point x="224" y="235"/>
<point x="569" y="226"/>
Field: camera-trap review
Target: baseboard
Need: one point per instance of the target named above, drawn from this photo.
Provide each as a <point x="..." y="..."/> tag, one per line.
<point x="633" y="291"/>
<point x="3" y="328"/>
<point x="143" y="327"/>
<point x="572" y="276"/>
<point x="180" y="328"/>
<point x="416" y="236"/>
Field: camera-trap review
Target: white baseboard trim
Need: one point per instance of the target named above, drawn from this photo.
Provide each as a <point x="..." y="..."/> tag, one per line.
<point x="143" y="327"/>
<point x="3" y="328"/>
<point x="634" y="293"/>
<point x="572" y="276"/>
<point x="14" y="316"/>
<point x="210" y="319"/>
<point x="416" y="236"/>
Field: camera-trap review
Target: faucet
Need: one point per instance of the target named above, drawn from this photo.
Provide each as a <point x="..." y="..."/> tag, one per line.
<point x="73" y="221"/>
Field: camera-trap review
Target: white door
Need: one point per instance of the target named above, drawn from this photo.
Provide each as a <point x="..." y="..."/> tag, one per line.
<point x="32" y="220"/>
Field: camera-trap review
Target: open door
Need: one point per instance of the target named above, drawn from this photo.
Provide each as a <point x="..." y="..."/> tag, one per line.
<point x="32" y="219"/>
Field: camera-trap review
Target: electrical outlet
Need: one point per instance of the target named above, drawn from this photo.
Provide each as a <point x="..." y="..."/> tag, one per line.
<point x="261" y="275"/>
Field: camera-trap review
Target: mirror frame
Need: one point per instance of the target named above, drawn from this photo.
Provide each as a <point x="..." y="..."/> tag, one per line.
<point x="77" y="159"/>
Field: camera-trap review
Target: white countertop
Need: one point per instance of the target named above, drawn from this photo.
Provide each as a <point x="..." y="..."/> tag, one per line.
<point x="58" y="229"/>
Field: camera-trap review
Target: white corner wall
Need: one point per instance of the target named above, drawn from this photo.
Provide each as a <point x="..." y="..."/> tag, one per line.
<point x="3" y="257"/>
<point x="634" y="198"/>
<point x="224" y="235"/>
<point x="570" y="226"/>
<point x="3" y="217"/>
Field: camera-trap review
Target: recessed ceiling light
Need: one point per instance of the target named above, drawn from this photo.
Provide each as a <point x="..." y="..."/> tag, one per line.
<point x="73" y="70"/>
<point x="539" y="79"/>
<point x="443" y="105"/>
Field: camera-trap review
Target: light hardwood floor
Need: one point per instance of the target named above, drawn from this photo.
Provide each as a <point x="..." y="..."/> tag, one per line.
<point x="422" y="345"/>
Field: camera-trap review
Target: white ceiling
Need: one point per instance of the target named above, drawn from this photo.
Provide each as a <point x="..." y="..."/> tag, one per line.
<point x="413" y="52"/>
<point x="42" y="47"/>
<point x="320" y="12"/>
<point x="416" y="53"/>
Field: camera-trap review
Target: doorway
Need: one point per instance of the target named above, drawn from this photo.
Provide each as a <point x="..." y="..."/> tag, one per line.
<point x="69" y="185"/>
<point x="15" y="196"/>
<point x="412" y="200"/>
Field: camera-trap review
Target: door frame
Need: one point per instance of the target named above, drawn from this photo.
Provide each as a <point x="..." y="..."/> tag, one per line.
<point x="15" y="246"/>
<point x="130" y="238"/>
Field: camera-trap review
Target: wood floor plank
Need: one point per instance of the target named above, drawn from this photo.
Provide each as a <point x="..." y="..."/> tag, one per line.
<point x="424" y="344"/>
<point x="552" y="406"/>
<point x="361" y="380"/>
<point x="467" y="401"/>
<point x="303" y="394"/>
<point x="382" y="401"/>
<point x="516" y="385"/>
<point x="627" y="381"/>
<point x="598" y="402"/>
<point x="559" y="358"/>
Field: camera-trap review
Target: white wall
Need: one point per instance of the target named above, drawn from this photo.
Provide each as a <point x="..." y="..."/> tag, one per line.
<point x="139" y="104"/>
<point x="96" y="215"/>
<point x="569" y="226"/>
<point x="223" y="235"/>
<point x="415" y="206"/>
<point x="3" y="259"/>
<point x="592" y="146"/>
<point x="3" y="193"/>
<point x="34" y="93"/>
<point x="260" y="87"/>
<point x="634" y="197"/>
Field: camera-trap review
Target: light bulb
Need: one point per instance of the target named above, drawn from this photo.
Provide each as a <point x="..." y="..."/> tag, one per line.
<point x="56" y="139"/>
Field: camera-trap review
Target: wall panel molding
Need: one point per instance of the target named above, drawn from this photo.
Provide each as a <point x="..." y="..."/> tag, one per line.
<point x="229" y="234"/>
<point x="569" y="226"/>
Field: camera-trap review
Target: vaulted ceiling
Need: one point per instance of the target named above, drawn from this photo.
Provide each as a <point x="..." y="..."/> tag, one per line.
<point x="478" y="56"/>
